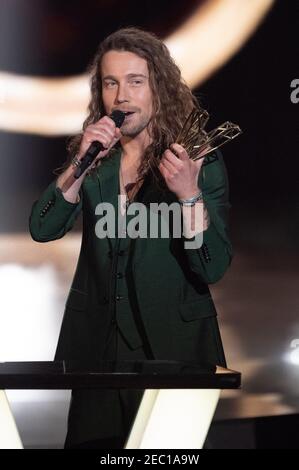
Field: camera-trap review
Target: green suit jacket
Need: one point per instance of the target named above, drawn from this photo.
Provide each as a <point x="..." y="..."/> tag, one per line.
<point x="170" y="282"/>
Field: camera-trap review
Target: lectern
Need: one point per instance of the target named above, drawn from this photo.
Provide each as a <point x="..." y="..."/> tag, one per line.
<point x="175" y="412"/>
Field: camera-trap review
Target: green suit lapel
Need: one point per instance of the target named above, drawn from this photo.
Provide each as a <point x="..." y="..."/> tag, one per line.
<point x="108" y="181"/>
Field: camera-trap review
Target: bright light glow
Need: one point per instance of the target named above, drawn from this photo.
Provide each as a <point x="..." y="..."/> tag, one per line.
<point x="43" y="106"/>
<point x="294" y="357"/>
<point x="213" y="34"/>
<point x="206" y="41"/>
<point x="30" y="317"/>
<point x="9" y="436"/>
<point x="173" y="419"/>
<point x="27" y="313"/>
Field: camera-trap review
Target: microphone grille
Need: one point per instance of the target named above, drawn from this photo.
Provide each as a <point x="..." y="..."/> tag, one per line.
<point x="118" y="117"/>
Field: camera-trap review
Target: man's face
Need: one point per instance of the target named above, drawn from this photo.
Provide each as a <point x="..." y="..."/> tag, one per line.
<point x="125" y="86"/>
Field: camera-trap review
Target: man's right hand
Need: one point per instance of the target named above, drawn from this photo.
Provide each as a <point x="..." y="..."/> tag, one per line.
<point x="104" y="131"/>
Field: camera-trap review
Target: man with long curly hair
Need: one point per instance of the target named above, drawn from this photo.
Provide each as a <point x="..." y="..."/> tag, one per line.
<point x="136" y="297"/>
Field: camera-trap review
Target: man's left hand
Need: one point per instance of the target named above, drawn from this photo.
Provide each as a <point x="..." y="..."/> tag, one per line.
<point x="180" y="172"/>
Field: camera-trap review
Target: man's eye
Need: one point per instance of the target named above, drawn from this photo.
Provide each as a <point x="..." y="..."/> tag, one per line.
<point x="136" y="82"/>
<point x="109" y="84"/>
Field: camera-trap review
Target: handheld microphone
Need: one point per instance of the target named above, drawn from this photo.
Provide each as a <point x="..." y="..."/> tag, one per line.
<point x="95" y="147"/>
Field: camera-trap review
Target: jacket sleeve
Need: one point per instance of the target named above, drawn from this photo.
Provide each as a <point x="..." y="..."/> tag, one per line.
<point x="212" y="259"/>
<point x="52" y="216"/>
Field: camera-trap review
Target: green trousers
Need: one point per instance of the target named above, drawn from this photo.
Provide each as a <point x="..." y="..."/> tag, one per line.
<point x="103" y="418"/>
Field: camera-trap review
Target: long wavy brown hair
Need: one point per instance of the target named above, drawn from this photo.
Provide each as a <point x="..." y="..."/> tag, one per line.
<point x="172" y="99"/>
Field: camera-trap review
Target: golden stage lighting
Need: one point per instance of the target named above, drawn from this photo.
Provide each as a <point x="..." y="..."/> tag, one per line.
<point x="205" y="42"/>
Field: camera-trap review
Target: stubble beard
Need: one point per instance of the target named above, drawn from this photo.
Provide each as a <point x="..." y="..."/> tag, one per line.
<point x="132" y="130"/>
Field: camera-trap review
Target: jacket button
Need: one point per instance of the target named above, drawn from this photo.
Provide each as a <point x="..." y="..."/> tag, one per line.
<point x="105" y="299"/>
<point x="119" y="297"/>
<point x="119" y="275"/>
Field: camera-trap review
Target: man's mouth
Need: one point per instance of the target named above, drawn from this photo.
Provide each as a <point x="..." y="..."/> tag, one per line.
<point x="128" y="114"/>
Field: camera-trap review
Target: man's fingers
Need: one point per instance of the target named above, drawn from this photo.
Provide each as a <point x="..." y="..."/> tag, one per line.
<point x="179" y="151"/>
<point x="169" y="166"/>
<point x="103" y="130"/>
<point x="107" y="121"/>
<point x="100" y="137"/>
<point x="172" y="159"/>
<point x="164" y="170"/>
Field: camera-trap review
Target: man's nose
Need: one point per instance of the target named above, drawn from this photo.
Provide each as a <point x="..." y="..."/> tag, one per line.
<point x="122" y="94"/>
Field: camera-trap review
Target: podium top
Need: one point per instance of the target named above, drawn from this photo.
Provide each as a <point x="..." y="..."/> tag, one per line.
<point x="115" y="374"/>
